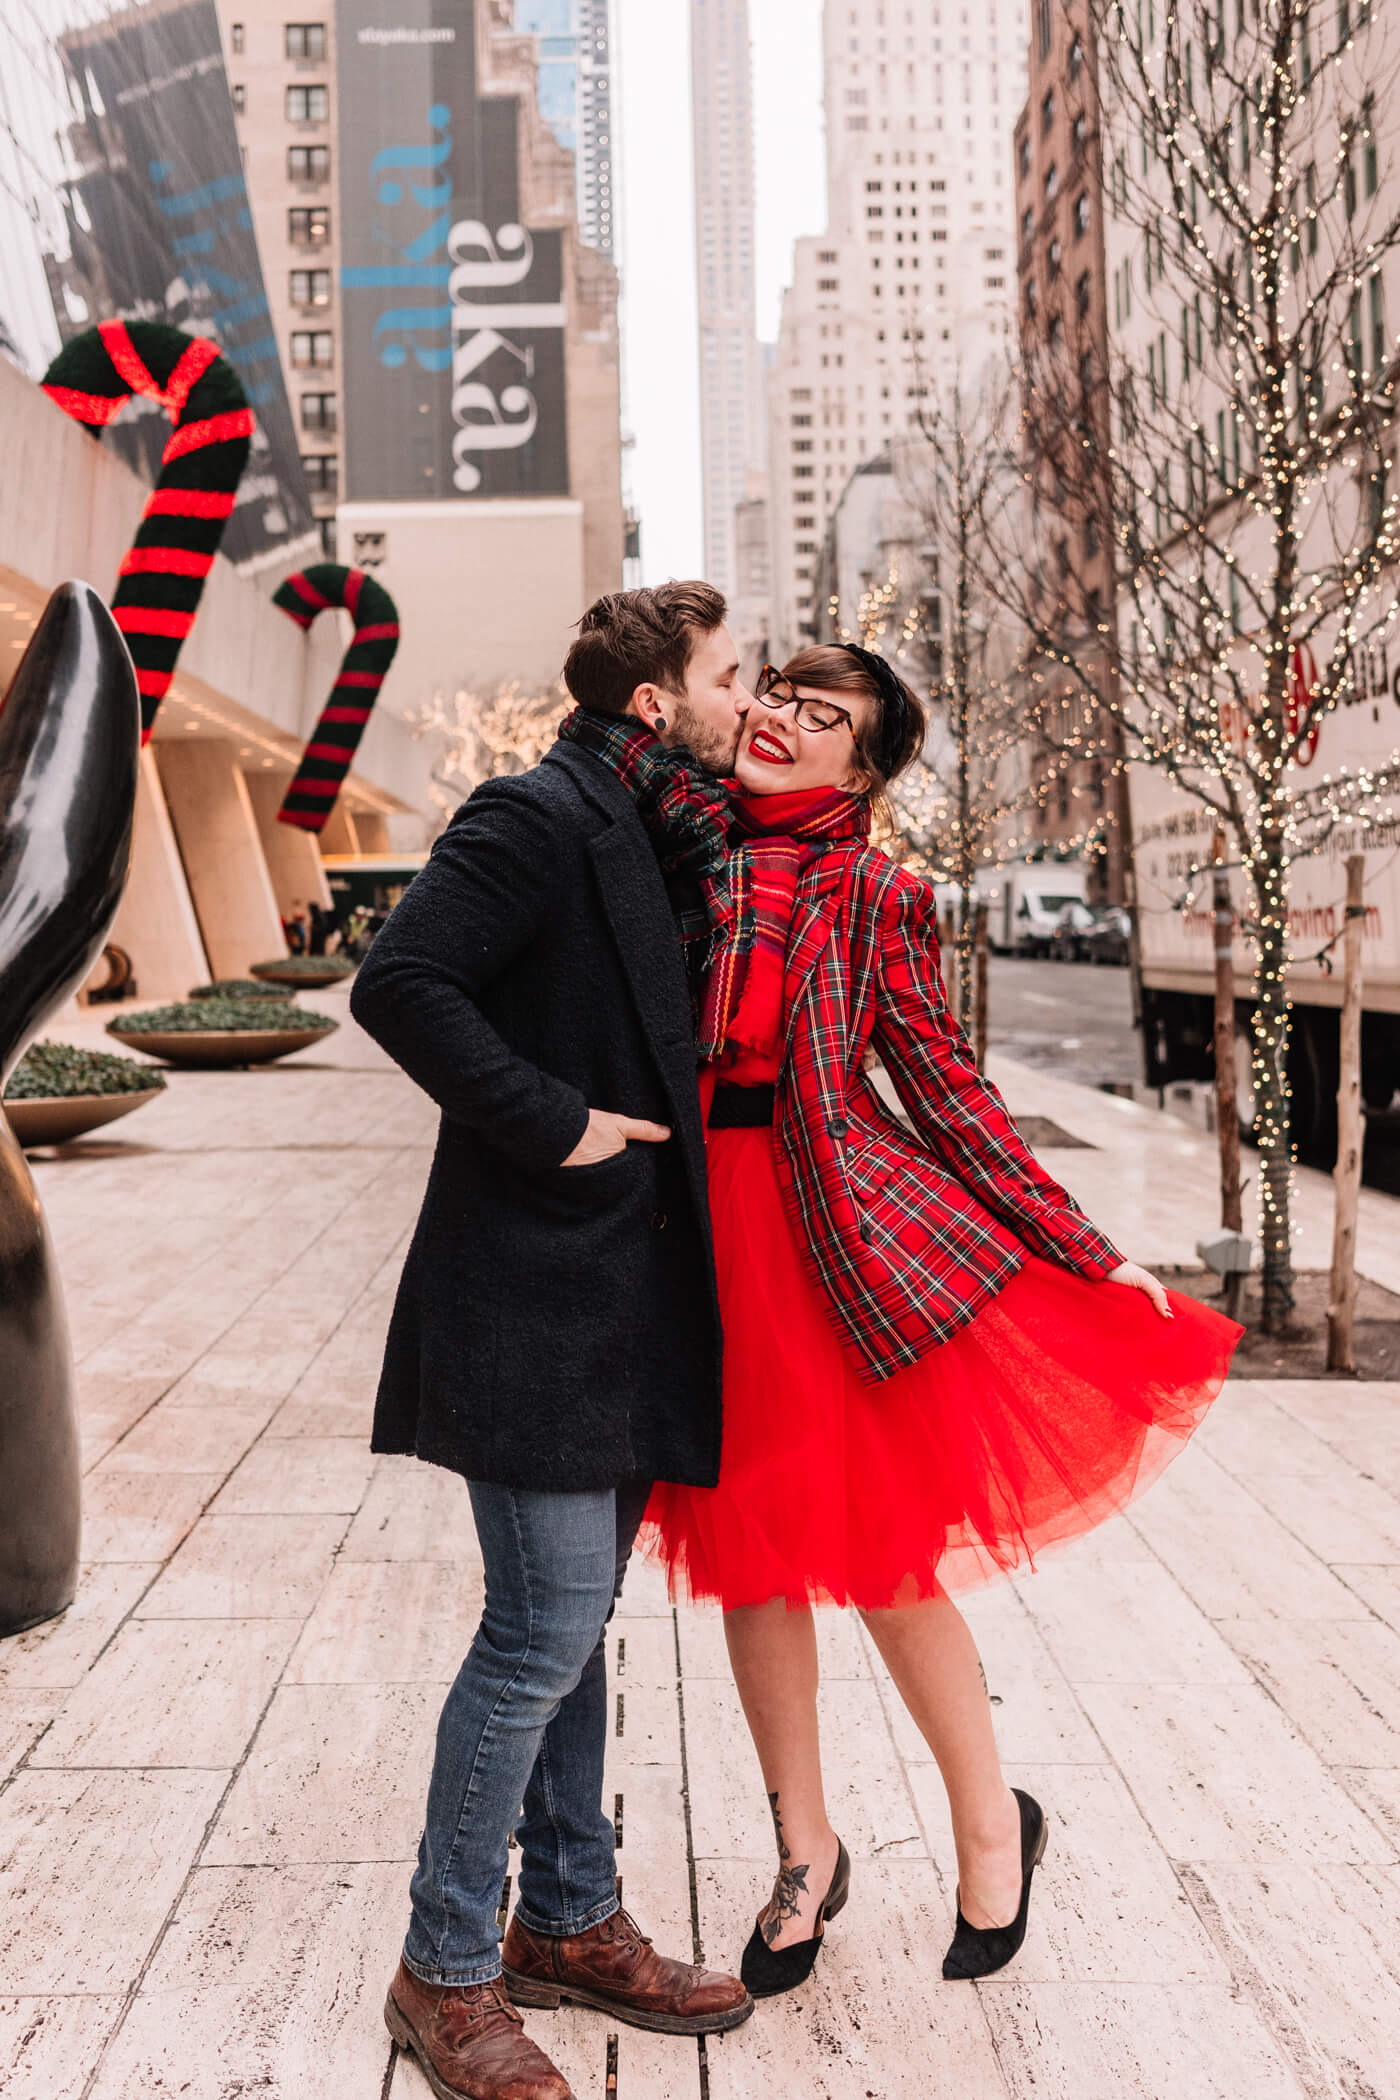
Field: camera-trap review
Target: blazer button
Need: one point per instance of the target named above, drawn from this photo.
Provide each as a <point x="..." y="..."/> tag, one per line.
<point x="658" y="1221"/>
<point x="839" y="1126"/>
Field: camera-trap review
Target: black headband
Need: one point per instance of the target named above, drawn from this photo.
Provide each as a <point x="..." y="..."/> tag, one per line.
<point x="894" y="706"/>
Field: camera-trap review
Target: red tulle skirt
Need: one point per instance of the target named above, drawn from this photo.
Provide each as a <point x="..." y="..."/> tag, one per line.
<point x="1052" y="1409"/>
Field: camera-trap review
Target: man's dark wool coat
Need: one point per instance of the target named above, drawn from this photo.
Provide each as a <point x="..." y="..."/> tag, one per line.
<point x="556" y="1327"/>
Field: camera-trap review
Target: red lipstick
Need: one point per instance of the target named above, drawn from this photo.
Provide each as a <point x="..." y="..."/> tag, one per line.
<point x="769" y="749"/>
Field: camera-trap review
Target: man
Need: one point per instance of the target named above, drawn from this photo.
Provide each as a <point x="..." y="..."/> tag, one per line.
<point x="556" y="1335"/>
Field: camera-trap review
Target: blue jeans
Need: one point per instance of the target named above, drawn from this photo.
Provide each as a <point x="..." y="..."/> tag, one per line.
<point x="526" y="1721"/>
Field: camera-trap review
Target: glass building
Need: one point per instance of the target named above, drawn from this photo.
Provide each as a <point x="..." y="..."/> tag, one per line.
<point x="122" y="196"/>
<point x="575" y="99"/>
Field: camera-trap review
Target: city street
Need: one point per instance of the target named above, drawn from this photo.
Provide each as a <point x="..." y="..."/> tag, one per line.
<point x="1076" y="1021"/>
<point x="213" y="1765"/>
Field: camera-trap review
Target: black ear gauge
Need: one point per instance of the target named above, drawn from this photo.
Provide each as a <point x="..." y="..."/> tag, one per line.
<point x="660" y="722"/>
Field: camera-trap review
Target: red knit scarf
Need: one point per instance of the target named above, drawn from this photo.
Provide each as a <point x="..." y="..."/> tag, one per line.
<point x="779" y="835"/>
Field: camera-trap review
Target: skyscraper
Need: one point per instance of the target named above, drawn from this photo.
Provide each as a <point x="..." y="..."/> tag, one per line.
<point x="575" y="99"/>
<point x="914" y="279"/>
<point x="731" y="395"/>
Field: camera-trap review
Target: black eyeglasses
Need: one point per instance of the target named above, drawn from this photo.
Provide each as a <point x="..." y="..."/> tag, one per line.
<point x="775" y="691"/>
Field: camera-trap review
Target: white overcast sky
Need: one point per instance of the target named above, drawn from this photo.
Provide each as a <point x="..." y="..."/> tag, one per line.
<point x="658" y="237"/>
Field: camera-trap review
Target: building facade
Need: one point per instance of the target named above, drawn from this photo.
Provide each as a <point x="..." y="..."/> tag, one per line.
<point x="576" y="101"/>
<point x="1062" y="309"/>
<point x="912" y="283"/>
<point x="282" y="80"/>
<point x="731" y="390"/>
<point x="471" y="457"/>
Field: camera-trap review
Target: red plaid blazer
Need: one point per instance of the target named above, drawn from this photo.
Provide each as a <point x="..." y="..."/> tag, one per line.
<point x="908" y="1236"/>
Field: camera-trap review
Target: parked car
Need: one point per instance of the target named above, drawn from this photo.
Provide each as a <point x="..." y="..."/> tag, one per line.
<point x="1108" y="939"/>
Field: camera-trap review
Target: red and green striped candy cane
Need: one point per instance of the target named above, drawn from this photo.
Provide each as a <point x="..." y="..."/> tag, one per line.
<point x="327" y="758"/>
<point x="161" y="580"/>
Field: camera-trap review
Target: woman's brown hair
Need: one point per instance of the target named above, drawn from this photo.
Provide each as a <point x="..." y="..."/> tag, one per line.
<point x="892" y="735"/>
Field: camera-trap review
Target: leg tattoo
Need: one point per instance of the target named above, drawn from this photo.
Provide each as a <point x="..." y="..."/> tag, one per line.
<point x="791" y="1885"/>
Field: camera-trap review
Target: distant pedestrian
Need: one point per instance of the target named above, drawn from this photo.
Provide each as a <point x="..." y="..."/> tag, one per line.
<point x="322" y="925"/>
<point x="294" y="930"/>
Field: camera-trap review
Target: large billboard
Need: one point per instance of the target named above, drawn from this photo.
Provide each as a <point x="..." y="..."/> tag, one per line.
<point x="159" y="229"/>
<point x="452" y="311"/>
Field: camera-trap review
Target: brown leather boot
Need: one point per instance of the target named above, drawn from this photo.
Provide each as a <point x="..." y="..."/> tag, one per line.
<point x="470" y="2042"/>
<point x="614" y="1969"/>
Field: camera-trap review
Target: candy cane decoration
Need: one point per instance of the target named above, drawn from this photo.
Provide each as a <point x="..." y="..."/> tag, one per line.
<point x="161" y="580"/>
<point x="326" y="760"/>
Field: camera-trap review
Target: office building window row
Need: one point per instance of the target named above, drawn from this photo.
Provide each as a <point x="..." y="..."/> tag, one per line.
<point x="308" y="105"/>
<point x="309" y="225"/>
<point x="305" y="40"/>
<point x="312" y="348"/>
<point x="311" y="287"/>
<point x="318" y="412"/>
<point x="308" y="163"/>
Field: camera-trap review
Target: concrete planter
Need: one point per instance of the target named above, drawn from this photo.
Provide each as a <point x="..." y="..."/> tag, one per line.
<point x="60" y="1118"/>
<point x="300" y="980"/>
<point x="223" y="1046"/>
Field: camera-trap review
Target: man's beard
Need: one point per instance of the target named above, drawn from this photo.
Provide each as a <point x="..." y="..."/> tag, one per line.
<point x="710" y="747"/>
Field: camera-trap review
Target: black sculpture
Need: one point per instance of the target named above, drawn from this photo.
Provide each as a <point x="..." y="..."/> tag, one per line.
<point x="70" y="738"/>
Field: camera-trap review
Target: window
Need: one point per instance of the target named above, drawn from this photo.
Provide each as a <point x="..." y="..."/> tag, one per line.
<point x="828" y="255"/>
<point x="1027" y="223"/>
<point x="1091" y="537"/>
<point x="1081" y="295"/>
<point x="1079" y="131"/>
<point x="308" y="105"/>
<point x="1052" y="259"/>
<point x="309" y="225"/>
<point x="1377" y="292"/>
<point x="1348" y="178"/>
<point x="306" y="40"/>
<point x="322" y="470"/>
<point x="235" y="39"/>
<point x="318" y="412"/>
<point x="311" y="288"/>
<point x="1047" y="109"/>
<point x="1052" y="181"/>
<point x="308" y="163"/>
<point x="238" y="96"/>
<point x="1370" y="175"/>
<point x="1081" y="215"/>
<point x="312" y="346"/>
<point x="828" y="284"/>
<point x="1042" y="24"/>
<point x="1023" y="158"/>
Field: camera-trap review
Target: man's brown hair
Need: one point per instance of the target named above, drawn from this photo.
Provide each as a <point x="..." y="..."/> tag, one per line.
<point x="633" y="638"/>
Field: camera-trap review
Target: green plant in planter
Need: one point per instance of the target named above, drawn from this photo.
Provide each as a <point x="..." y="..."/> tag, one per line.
<point x="217" y="1016"/>
<point x="56" y="1071"/>
<point x="235" y="988"/>
<point x="312" y="967"/>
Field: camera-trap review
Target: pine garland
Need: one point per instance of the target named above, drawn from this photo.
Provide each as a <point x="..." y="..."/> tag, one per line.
<point x="161" y="580"/>
<point x="327" y="758"/>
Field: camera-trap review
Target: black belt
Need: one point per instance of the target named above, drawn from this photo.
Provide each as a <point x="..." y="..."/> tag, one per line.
<point x="743" y="1107"/>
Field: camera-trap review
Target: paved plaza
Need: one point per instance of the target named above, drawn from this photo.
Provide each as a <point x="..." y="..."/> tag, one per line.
<point x="212" y="1768"/>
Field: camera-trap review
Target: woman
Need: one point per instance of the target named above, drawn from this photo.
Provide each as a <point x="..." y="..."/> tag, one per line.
<point x="935" y="1366"/>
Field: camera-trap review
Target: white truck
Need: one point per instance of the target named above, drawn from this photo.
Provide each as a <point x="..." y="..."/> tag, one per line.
<point x="1028" y="900"/>
<point x="1174" y="967"/>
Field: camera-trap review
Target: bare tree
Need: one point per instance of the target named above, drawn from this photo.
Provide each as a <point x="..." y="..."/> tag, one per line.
<point x="482" y="736"/>
<point x="1237" y="443"/>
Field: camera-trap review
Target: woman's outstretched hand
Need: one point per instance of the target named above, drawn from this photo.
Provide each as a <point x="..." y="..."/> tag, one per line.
<point x="1141" y="1280"/>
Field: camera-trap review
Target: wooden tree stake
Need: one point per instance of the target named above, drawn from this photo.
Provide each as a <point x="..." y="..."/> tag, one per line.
<point x="1351" y="1133"/>
<point x="1227" y="1115"/>
<point x="979" y="997"/>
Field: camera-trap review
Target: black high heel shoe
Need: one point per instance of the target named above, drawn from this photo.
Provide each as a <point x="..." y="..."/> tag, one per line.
<point x="982" y="1950"/>
<point x="768" y="1971"/>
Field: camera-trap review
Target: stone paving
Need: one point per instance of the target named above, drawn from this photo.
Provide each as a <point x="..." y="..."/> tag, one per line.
<point x="211" y="1770"/>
